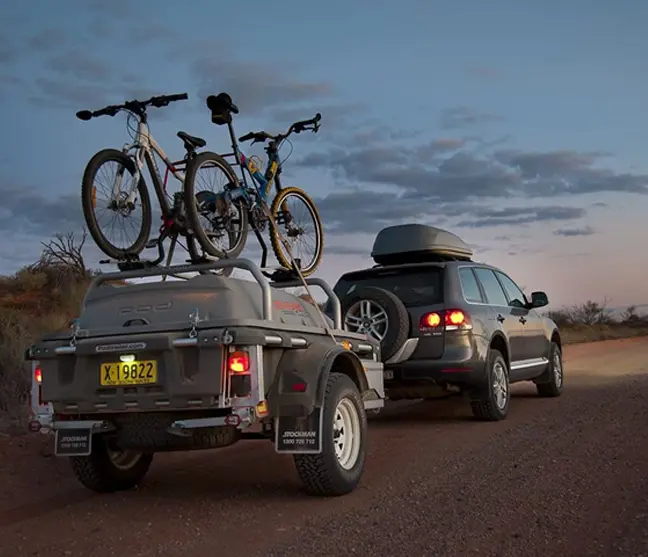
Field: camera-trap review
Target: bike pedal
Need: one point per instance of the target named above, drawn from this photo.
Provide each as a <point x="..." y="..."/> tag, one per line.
<point x="152" y="243"/>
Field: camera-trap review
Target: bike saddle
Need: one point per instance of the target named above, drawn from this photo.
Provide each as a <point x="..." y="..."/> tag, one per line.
<point x="222" y="108"/>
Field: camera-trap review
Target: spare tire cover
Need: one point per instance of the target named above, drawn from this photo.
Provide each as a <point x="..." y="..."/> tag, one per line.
<point x="377" y="312"/>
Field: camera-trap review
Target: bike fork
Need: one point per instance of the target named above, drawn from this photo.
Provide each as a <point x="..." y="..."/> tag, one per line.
<point x="132" y="193"/>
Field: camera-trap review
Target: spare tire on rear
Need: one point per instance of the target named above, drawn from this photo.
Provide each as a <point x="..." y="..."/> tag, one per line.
<point x="378" y="313"/>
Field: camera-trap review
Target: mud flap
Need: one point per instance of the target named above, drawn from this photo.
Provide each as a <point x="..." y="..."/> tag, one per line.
<point x="73" y="442"/>
<point x="299" y="435"/>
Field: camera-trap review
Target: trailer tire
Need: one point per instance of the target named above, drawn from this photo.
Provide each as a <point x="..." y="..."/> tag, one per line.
<point x="337" y="470"/>
<point x="107" y="471"/>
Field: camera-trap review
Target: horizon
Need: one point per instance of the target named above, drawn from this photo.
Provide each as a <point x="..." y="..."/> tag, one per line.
<point x="521" y="127"/>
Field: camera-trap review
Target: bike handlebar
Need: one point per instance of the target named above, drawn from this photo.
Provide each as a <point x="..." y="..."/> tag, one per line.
<point x="295" y="127"/>
<point x="138" y="107"/>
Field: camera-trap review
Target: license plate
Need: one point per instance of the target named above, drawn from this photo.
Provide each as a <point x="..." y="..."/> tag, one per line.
<point x="388" y="374"/>
<point x="73" y="442"/>
<point x="116" y="374"/>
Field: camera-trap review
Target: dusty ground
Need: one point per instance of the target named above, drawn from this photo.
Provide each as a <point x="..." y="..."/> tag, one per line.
<point x="565" y="476"/>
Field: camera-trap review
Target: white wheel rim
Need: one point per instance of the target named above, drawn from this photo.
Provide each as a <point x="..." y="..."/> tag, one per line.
<point x="346" y="433"/>
<point x="557" y="370"/>
<point x="500" y="385"/>
<point x="367" y="317"/>
<point x="123" y="460"/>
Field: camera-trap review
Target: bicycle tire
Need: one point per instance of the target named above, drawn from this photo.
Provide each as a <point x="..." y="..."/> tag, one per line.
<point x="277" y="245"/>
<point x="193" y="216"/>
<point x="94" y="164"/>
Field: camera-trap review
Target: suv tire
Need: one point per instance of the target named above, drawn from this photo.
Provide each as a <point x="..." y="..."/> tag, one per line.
<point x="490" y="402"/>
<point x="550" y="383"/>
<point x="397" y="324"/>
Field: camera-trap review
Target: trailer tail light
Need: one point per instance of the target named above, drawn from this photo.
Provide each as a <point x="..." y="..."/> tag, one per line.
<point x="238" y="376"/>
<point x="299" y="387"/>
<point x="38" y="377"/>
<point x="238" y="362"/>
<point x="449" y="320"/>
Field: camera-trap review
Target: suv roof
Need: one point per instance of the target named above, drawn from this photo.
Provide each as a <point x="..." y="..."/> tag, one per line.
<point x="368" y="271"/>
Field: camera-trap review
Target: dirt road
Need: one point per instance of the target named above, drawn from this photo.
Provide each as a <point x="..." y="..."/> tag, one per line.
<point x="565" y="476"/>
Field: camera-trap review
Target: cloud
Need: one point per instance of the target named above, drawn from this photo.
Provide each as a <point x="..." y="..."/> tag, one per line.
<point x="569" y="232"/>
<point x="333" y="115"/>
<point x="7" y="52"/>
<point x="47" y="39"/>
<point x="426" y="172"/>
<point x="79" y="65"/>
<point x="519" y="216"/>
<point x="484" y="72"/>
<point x="348" y="250"/>
<point x="254" y="87"/>
<point x="27" y="210"/>
<point x="463" y="117"/>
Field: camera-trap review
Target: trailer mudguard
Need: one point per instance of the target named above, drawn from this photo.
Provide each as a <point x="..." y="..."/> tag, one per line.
<point x="302" y="374"/>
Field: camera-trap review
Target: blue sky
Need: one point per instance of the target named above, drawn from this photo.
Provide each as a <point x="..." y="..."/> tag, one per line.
<point x="522" y="126"/>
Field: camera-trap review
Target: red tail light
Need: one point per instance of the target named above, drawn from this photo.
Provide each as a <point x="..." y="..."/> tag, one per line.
<point x="455" y="317"/>
<point x="430" y="320"/>
<point x="299" y="387"/>
<point x="449" y="319"/>
<point x="238" y="362"/>
<point x="38" y="375"/>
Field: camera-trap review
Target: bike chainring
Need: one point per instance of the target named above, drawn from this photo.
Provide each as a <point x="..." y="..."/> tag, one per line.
<point x="259" y="218"/>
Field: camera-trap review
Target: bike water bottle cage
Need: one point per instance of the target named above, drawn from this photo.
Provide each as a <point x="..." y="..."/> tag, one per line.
<point x="222" y="108"/>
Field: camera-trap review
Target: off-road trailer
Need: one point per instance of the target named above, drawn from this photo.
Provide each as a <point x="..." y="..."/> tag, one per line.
<point x="203" y="363"/>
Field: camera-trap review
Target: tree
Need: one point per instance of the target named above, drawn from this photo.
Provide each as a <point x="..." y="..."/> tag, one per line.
<point x="630" y="316"/>
<point x="65" y="252"/>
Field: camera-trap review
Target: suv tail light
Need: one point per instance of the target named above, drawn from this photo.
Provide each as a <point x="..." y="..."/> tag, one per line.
<point x="449" y="320"/>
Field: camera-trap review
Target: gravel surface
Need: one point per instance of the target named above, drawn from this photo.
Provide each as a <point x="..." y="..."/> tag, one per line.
<point x="566" y="476"/>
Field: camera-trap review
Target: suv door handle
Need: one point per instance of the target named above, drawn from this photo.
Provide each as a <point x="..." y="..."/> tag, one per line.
<point x="500" y="317"/>
<point x="523" y="320"/>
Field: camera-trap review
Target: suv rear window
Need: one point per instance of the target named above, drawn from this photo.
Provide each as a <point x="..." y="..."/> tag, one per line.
<point x="414" y="287"/>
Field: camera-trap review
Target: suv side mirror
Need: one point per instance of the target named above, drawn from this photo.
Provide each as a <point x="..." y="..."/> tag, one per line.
<point x="539" y="299"/>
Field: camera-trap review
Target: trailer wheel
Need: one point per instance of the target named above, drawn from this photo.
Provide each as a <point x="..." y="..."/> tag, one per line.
<point x="338" y="468"/>
<point x="108" y="469"/>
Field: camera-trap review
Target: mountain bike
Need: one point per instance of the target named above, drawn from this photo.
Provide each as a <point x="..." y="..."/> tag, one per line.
<point x="238" y="204"/>
<point x="122" y="200"/>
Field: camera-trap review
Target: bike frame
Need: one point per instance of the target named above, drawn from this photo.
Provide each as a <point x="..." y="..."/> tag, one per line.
<point x="262" y="182"/>
<point x="144" y="146"/>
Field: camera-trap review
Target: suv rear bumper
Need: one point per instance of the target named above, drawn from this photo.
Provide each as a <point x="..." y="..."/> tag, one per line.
<point x="461" y="363"/>
<point x="426" y="371"/>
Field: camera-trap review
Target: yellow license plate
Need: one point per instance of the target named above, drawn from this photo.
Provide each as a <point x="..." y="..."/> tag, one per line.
<point x="116" y="374"/>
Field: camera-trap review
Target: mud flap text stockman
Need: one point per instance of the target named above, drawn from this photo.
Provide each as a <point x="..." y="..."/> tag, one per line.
<point x="297" y="395"/>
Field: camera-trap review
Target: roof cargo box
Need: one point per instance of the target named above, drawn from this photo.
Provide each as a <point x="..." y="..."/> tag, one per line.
<point x="412" y="243"/>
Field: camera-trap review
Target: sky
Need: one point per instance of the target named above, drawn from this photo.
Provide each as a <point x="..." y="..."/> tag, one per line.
<point x="521" y="126"/>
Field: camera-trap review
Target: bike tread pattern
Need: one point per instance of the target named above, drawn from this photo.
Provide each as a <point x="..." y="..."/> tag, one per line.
<point x="193" y="216"/>
<point x="87" y="184"/>
<point x="275" y="234"/>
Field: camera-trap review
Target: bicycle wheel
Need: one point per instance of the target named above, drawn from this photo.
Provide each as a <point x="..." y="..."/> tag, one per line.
<point x="212" y="217"/>
<point x="123" y="167"/>
<point x="288" y="210"/>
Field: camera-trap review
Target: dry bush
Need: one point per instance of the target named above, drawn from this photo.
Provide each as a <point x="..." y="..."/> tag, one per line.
<point x="38" y="299"/>
<point x="593" y="321"/>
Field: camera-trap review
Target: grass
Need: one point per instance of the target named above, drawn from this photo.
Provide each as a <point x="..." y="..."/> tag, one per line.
<point x="46" y="296"/>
